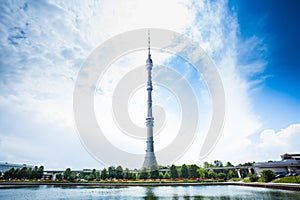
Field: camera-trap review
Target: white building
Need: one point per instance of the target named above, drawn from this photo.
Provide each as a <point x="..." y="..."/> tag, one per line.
<point x="289" y="163"/>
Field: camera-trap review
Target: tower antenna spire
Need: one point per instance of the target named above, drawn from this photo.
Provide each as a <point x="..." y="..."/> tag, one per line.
<point x="149" y="43"/>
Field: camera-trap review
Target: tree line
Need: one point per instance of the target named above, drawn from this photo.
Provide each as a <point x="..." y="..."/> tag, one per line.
<point x="155" y="172"/>
<point x="24" y="173"/>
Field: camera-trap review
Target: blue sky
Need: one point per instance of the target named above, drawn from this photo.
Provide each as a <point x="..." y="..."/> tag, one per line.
<point x="276" y="22"/>
<point x="254" y="45"/>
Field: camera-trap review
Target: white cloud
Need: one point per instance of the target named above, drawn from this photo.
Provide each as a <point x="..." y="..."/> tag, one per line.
<point x="43" y="44"/>
<point x="284" y="141"/>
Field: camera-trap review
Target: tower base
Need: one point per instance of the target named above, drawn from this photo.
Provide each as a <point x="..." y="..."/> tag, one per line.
<point x="150" y="160"/>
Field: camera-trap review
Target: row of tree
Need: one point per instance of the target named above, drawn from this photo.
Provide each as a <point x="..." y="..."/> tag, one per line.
<point x="155" y="172"/>
<point x="158" y="172"/>
<point x="24" y="173"/>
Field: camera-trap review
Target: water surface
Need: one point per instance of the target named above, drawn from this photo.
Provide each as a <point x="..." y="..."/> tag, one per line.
<point x="131" y="192"/>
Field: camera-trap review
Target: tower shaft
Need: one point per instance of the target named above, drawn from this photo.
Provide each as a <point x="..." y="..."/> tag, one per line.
<point x="150" y="158"/>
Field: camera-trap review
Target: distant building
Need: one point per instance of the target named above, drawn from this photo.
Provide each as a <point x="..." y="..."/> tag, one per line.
<point x="7" y="166"/>
<point x="289" y="163"/>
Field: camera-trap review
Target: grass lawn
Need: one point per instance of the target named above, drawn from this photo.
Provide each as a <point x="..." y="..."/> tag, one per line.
<point x="289" y="179"/>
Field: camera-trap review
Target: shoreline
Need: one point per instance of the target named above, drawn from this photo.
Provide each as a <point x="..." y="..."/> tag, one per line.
<point x="281" y="186"/>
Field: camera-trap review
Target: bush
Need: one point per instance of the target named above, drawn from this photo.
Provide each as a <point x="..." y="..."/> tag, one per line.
<point x="267" y="175"/>
<point x="253" y="177"/>
<point x="221" y="175"/>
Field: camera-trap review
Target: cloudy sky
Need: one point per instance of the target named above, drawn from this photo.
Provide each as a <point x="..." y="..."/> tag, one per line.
<point x="43" y="44"/>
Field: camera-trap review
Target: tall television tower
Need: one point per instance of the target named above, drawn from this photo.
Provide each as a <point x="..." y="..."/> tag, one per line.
<point x="150" y="156"/>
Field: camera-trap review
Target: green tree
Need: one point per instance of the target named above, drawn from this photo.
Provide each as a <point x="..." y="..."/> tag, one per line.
<point x="218" y="163"/>
<point x="89" y="177"/>
<point x="17" y="174"/>
<point x="232" y="174"/>
<point x="127" y="174"/>
<point x="144" y="173"/>
<point x="228" y="164"/>
<point x="111" y="172"/>
<point x="202" y="172"/>
<point x="160" y="175"/>
<point x="154" y="172"/>
<point x="207" y="165"/>
<point x="9" y="174"/>
<point x="267" y="175"/>
<point x="95" y="174"/>
<point x="29" y="173"/>
<point x="59" y="176"/>
<point x="211" y="174"/>
<point x="133" y="176"/>
<point x="119" y="172"/>
<point x="40" y="172"/>
<point x="104" y="174"/>
<point x="23" y="174"/>
<point x="221" y="175"/>
<point x="67" y="174"/>
<point x="34" y="173"/>
<point x="173" y="172"/>
<point x="184" y="171"/>
<point x="72" y="176"/>
<point x="193" y="171"/>
<point x="167" y="175"/>
<point x="252" y="177"/>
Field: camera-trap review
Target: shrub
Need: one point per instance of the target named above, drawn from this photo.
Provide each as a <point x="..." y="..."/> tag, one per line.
<point x="253" y="177"/>
<point x="267" y="175"/>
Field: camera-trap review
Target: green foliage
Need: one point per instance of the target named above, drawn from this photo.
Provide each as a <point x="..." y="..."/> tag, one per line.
<point x="211" y="174"/>
<point x="207" y="165"/>
<point x="144" y="173"/>
<point x="202" y="172"/>
<point x="59" y="177"/>
<point x="260" y="180"/>
<point x="40" y="172"/>
<point x="221" y="175"/>
<point x="24" y="173"/>
<point x="184" y="171"/>
<point x="218" y="163"/>
<point x="111" y="172"/>
<point x="193" y="171"/>
<point x="154" y="172"/>
<point x="228" y="164"/>
<point x="160" y="175"/>
<point x="96" y="174"/>
<point x="89" y="177"/>
<point x="67" y="174"/>
<point x="119" y="172"/>
<point x="133" y="176"/>
<point x="127" y="174"/>
<point x="72" y="176"/>
<point x="167" y="175"/>
<point x="236" y="179"/>
<point x="104" y="174"/>
<point x="232" y="174"/>
<point x="289" y="179"/>
<point x="252" y="177"/>
<point x="267" y="175"/>
<point x="173" y="172"/>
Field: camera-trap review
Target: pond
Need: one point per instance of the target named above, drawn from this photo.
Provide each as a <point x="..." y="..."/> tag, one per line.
<point x="134" y="192"/>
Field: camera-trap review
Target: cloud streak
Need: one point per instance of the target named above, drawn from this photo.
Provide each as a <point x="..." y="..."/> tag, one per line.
<point x="44" y="43"/>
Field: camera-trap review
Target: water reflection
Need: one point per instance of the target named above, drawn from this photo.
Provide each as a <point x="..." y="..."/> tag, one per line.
<point x="146" y="193"/>
<point x="217" y="192"/>
<point x="150" y="195"/>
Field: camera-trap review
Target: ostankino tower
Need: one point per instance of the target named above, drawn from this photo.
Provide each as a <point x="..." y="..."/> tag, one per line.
<point x="150" y="156"/>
